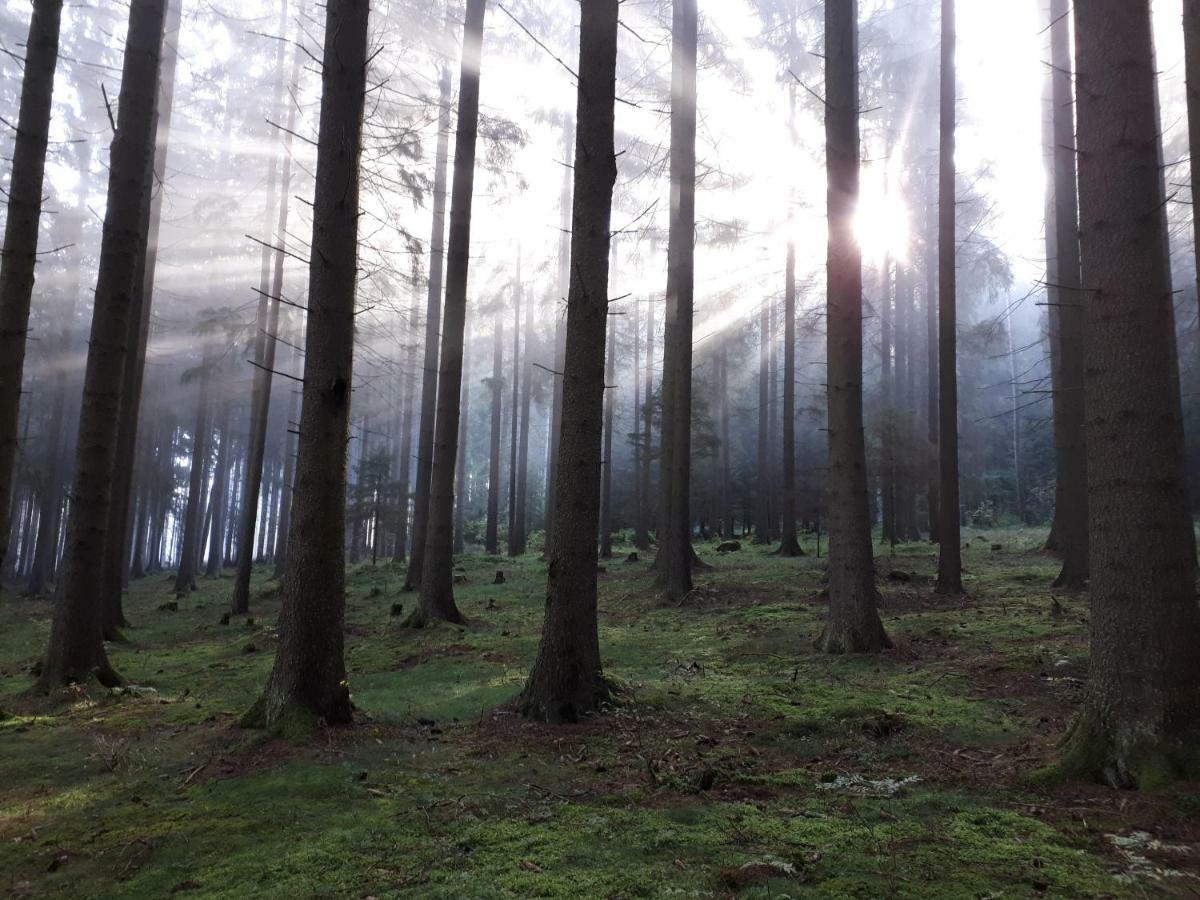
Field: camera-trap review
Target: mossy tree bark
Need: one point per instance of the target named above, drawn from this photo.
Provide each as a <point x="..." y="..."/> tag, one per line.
<point x="853" y="625"/>
<point x="308" y="681"/>
<point x="949" y="573"/>
<point x="21" y="235"/>
<point x="1141" y="719"/>
<point x="436" y="599"/>
<point x="76" y="649"/>
<point x="567" y="681"/>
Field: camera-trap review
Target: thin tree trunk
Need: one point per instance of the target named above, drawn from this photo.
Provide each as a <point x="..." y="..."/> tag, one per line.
<point x="853" y="625"/>
<point x="1138" y="727"/>
<point x="185" y="578"/>
<point x="404" y="479"/>
<point x="307" y="684"/>
<point x="437" y="577"/>
<point x="17" y="267"/>
<point x="567" y="681"/>
<point x="727" y="530"/>
<point x="463" y="467"/>
<point x="887" y="469"/>
<point x="932" y="421"/>
<point x="433" y="315"/>
<point x="521" y="517"/>
<point x="1067" y="313"/>
<point x="496" y="386"/>
<point x="647" y="440"/>
<point x="789" y="545"/>
<point x="220" y="490"/>
<point x="76" y="647"/>
<point x="267" y="328"/>
<point x="515" y="412"/>
<point x="762" y="516"/>
<point x="949" y="576"/>
<point x="676" y="543"/>
<point x="564" y="248"/>
<point x="610" y="404"/>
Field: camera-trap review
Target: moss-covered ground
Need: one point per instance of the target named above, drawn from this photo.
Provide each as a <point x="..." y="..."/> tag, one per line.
<point x="740" y="762"/>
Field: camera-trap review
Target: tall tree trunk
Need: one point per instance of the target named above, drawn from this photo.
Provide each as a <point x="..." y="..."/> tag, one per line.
<point x="404" y="477"/>
<point x="762" y="515"/>
<point x="185" y="578"/>
<point x="76" y="648"/>
<point x="853" y="625"/>
<point x="433" y="316"/>
<point x="1138" y="727"/>
<point x="463" y="467"/>
<point x="564" y="249"/>
<point x="514" y="412"/>
<point x="676" y="542"/>
<point x="496" y="386"/>
<point x="789" y="545"/>
<point x="308" y="680"/>
<point x="437" y="578"/>
<point x="117" y="551"/>
<point x="270" y="285"/>
<point x="1067" y="314"/>
<point x="887" y="468"/>
<point x="21" y="234"/>
<point x="932" y="420"/>
<point x="647" y="439"/>
<point x="220" y="490"/>
<point x="567" y="681"/>
<point x="949" y="576"/>
<point x="723" y="386"/>
<point x="610" y="405"/>
<point x="1191" y="61"/>
<point x="521" y="517"/>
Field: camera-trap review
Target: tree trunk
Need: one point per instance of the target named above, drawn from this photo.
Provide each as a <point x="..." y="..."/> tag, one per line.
<point x="76" y="648"/>
<point x="220" y="489"/>
<point x="307" y="684"/>
<point x="675" y="545"/>
<point x="520" y="517"/>
<point x="647" y="440"/>
<point x="853" y="625"/>
<point x="887" y="468"/>
<point x="496" y="386"/>
<point x="567" y="681"/>
<point x="762" y="516"/>
<point x="949" y="576"/>
<point x="723" y="386"/>
<point x="610" y="405"/>
<point x="462" y="469"/>
<point x="185" y="578"/>
<point x="932" y="422"/>
<point x="1138" y="727"/>
<point x="270" y="286"/>
<point x="564" y="248"/>
<point x="1067" y="315"/>
<point x="17" y="268"/>
<point x="514" y="412"/>
<point x="437" y="577"/>
<point x="404" y="478"/>
<point x="433" y="315"/>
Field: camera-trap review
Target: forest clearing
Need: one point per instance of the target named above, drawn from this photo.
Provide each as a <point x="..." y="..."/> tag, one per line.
<point x="738" y="760"/>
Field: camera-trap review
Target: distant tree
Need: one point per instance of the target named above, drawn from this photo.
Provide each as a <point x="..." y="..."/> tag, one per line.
<point x="853" y="625"/>
<point x="76" y="648"/>
<point x="308" y="680"/>
<point x="567" y="681"/>
<point x="436" y="599"/>
<point x="21" y="234"/>
<point x="189" y="554"/>
<point x="518" y="541"/>
<point x="1139" y="725"/>
<point x="496" y="389"/>
<point x="949" y="577"/>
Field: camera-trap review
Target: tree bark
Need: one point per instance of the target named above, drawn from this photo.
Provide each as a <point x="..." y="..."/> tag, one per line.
<point x="433" y="317"/>
<point x="949" y="575"/>
<point x="404" y="478"/>
<point x="648" y="428"/>
<point x="185" y="577"/>
<point x="462" y="469"/>
<point x="564" y="276"/>
<point x="521" y="516"/>
<point x="675" y="544"/>
<point x="1138" y="727"/>
<point x="18" y="264"/>
<point x="307" y="684"/>
<point x="789" y="545"/>
<point x="514" y="413"/>
<point x="610" y="406"/>
<point x="220" y="491"/>
<point x="496" y="386"/>
<point x="762" y="516"/>
<point x="932" y="405"/>
<point x="567" y="681"/>
<point x="76" y="648"/>
<point x="887" y="469"/>
<point x="436" y="599"/>
<point x="853" y="625"/>
<point x="1067" y="315"/>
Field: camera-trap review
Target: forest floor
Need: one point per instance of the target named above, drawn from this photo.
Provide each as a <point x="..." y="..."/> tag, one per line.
<point x="739" y="761"/>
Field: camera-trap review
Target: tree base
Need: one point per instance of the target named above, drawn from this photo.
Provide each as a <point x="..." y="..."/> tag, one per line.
<point x="51" y="680"/>
<point x="790" y="548"/>
<point x="294" y="720"/>
<point x="843" y="638"/>
<point x="423" y="618"/>
<point x="555" y="705"/>
<point x="949" y="587"/>
<point x="1136" y="760"/>
<point x="1070" y="581"/>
